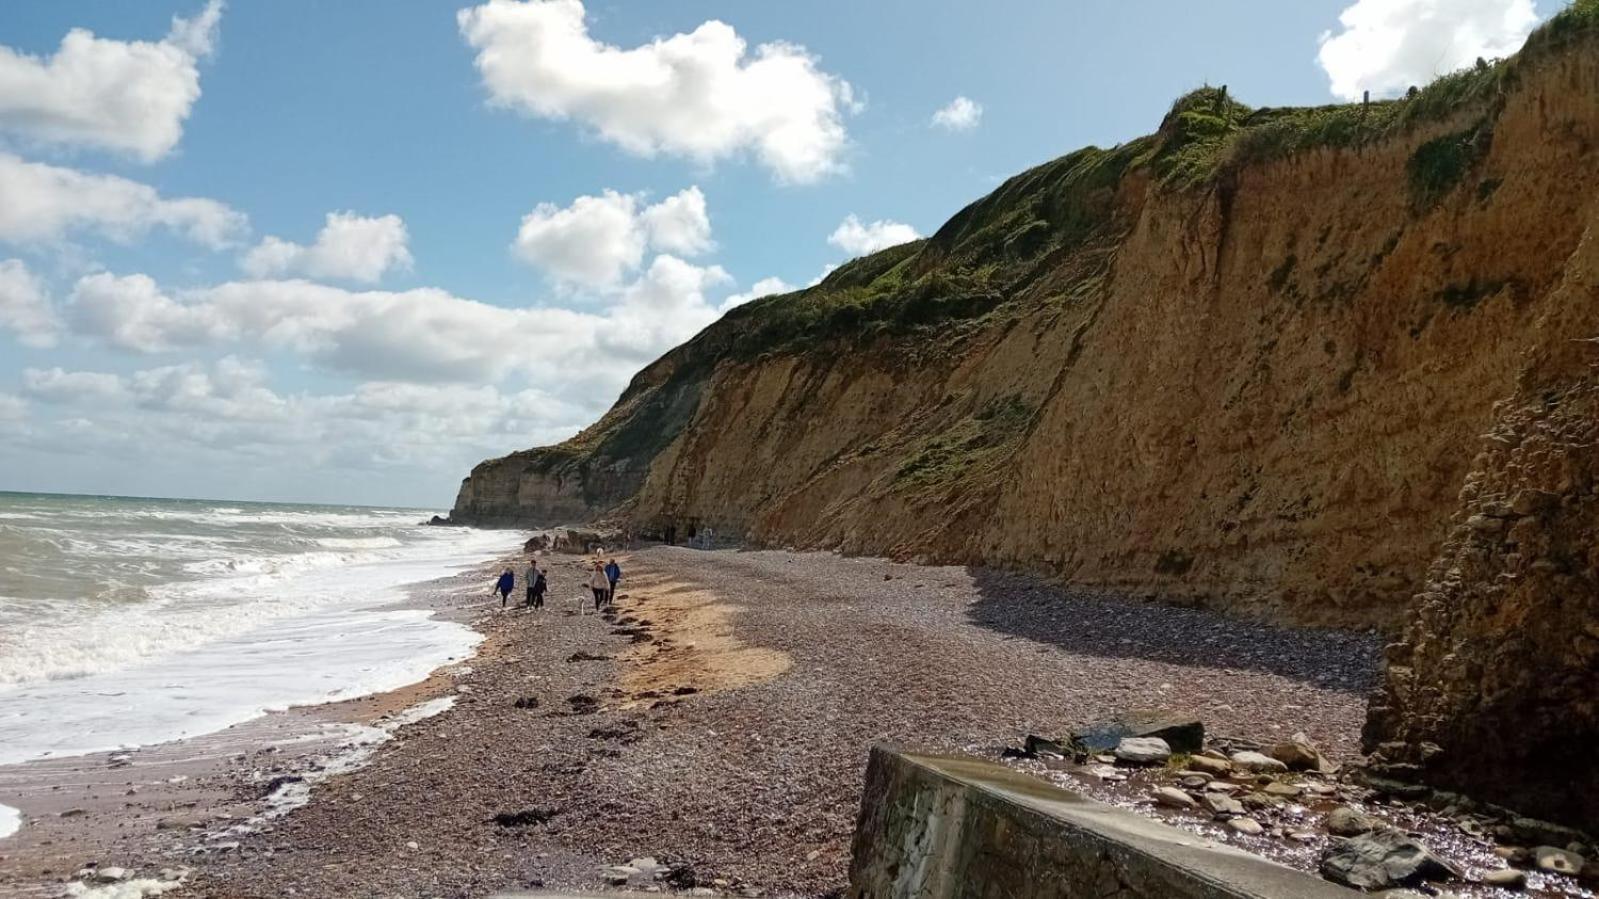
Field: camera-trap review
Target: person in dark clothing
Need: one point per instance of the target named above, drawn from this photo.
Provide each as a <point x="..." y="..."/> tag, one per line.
<point x="536" y="586"/>
<point x="503" y="586"/>
<point x="613" y="573"/>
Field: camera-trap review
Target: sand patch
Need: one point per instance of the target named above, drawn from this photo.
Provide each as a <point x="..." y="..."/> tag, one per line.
<point x="694" y="647"/>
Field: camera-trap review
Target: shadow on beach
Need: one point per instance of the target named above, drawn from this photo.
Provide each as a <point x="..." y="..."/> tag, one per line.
<point x="1103" y="624"/>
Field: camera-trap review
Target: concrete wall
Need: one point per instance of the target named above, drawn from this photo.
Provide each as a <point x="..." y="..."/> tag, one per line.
<point x="935" y="826"/>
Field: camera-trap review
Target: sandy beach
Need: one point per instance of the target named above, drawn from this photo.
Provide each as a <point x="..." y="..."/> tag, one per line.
<point x="717" y="721"/>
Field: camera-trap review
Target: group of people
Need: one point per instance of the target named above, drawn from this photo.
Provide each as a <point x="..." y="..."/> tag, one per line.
<point x="602" y="581"/>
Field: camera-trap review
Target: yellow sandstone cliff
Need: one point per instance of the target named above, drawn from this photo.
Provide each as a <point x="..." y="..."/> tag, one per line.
<point x="1247" y="362"/>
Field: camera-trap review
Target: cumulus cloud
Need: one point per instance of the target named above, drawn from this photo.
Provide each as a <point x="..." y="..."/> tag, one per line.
<point x="597" y="241"/>
<point x="420" y="335"/>
<point x="349" y="247"/>
<point x="54" y="385"/>
<point x="224" y="418"/>
<point x="25" y="308"/>
<point x="960" y="114"/>
<point x="700" y="95"/>
<point x="128" y="96"/>
<point x="45" y="202"/>
<point x="1386" y="46"/>
<point x="858" y="239"/>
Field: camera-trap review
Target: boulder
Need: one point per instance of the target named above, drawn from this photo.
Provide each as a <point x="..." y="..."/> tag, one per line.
<point x="1257" y="762"/>
<point x="1143" y="751"/>
<point x="1557" y="861"/>
<point x="1344" y="821"/>
<point x="1299" y="754"/>
<point x="1208" y="765"/>
<point x="1382" y="860"/>
<point x="1043" y="747"/>
<point x="1506" y="879"/>
<point x="1172" y="797"/>
<point x="1246" y="826"/>
<point x="1182" y="734"/>
<point x="1222" y="804"/>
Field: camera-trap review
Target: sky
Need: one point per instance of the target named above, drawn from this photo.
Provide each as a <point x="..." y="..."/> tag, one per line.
<point x="340" y="252"/>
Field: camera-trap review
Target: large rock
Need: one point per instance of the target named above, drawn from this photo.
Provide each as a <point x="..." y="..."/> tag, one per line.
<point x="1259" y="763"/>
<point x="1558" y="861"/>
<point x="1382" y="860"/>
<point x="1299" y="754"/>
<point x="1344" y="821"/>
<point x="1143" y="751"/>
<point x="1182" y="734"/>
<point x="1493" y="689"/>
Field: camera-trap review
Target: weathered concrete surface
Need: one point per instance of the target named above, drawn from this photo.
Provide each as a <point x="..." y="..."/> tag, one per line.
<point x="941" y="826"/>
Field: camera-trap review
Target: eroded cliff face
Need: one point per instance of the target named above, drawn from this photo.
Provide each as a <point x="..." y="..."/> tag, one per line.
<point x="1261" y="389"/>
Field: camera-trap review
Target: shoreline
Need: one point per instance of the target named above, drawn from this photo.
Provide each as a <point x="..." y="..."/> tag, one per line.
<point x="155" y="810"/>
<point x="718" y="722"/>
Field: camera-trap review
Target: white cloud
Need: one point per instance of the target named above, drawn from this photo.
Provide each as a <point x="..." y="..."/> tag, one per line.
<point x="762" y="288"/>
<point x="858" y="239"/>
<point x="597" y="241"/>
<point x="53" y="385"/>
<point x="420" y="335"/>
<point x="1386" y="46"/>
<point x="349" y="246"/>
<point x="223" y="418"/>
<point x="45" y="202"/>
<point x="960" y="114"/>
<point x="129" y="96"/>
<point x="25" y="308"/>
<point x="679" y="224"/>
<point x="699" y="95"/>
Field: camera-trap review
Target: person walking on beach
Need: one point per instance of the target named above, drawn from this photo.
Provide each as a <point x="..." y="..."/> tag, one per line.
<point x="503" y="586"/>
<point x="536" y="585"/>
<point x="613" y="573"/>
<point x="599" y="583"/>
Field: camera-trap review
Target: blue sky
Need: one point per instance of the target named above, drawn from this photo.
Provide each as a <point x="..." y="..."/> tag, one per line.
<point x="175" y="320"/>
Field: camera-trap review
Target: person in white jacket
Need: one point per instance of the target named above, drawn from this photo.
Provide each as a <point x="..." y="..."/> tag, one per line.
<point x="600" y="583"/>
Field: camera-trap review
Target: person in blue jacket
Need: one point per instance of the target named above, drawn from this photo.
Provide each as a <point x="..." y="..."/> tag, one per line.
<point x="503" y="586"/>
<point x="613" y="573"/>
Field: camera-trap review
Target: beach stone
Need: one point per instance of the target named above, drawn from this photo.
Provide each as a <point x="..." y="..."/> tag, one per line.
<point x="1173" y="798"/>
<point x="1221" y="804"/>
<point x="1044" y="747"/>
<point x="1382" y="860"/>
<point x="1246" y="826"/>
<point x="1180" y="733"/>
<point x="1344" y="821"/>
<point x="1143" y="751"/>
<point x="1212" y="766"/>
<point x="1257" y="762"/>
<point x="1287" y="791"/>
<point x="1557" y="861"/>
<point x="1194" y="781"/>
<point x="1299" y="754"/>
<point x="1506" y="879"/>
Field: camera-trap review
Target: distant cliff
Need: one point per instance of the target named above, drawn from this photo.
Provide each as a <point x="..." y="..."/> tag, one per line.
<point x="1246" y="361"/>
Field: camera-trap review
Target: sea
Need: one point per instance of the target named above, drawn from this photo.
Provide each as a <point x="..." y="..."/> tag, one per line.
<point x="127" y="622"/>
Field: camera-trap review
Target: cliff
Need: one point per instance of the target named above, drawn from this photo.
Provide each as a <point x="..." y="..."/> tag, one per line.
<point x="1246" y="361"/>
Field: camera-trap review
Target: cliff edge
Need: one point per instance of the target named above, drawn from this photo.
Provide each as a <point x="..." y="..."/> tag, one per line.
<point x="1246" y="361"/>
